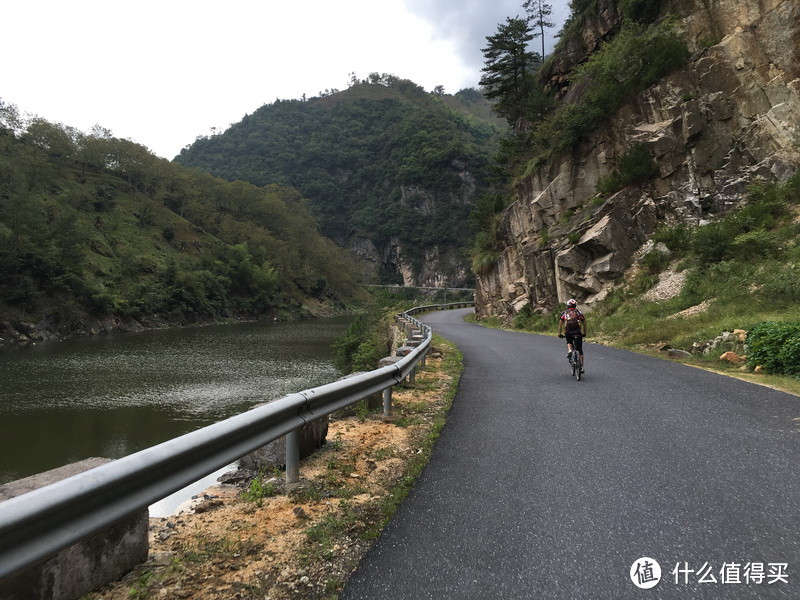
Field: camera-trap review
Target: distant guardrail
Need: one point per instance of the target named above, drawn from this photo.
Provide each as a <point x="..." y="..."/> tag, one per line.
<point x="41" y="523"/>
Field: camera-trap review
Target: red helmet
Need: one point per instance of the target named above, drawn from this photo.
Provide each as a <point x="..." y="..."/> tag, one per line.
<point x="572" y="303"/>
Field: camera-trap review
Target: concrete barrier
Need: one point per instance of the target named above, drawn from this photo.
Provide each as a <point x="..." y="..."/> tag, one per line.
<point x="82" y="567"/>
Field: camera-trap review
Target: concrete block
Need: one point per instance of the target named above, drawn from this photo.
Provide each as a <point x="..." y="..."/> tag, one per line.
<point x="273" y="455"/>
<point x="82" y="567"/>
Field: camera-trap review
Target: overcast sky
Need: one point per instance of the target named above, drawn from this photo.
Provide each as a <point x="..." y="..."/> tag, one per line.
<point x="164" y="72"/>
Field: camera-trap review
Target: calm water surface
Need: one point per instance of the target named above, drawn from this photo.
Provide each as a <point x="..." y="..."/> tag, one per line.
<point x="111" y="396"/>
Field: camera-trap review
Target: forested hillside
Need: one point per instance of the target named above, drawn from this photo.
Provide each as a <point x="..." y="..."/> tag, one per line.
<point x="391" y="171"/>
<point x="95" y="225"/>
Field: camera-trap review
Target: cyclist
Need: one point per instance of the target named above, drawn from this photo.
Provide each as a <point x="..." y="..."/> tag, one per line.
<point x="573" y="325"/>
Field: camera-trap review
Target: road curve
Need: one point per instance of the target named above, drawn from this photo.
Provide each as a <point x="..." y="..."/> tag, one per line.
<point x="544" y="487"/>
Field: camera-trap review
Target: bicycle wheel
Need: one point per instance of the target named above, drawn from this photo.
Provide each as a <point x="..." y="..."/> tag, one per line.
<point x="576" y="364"/>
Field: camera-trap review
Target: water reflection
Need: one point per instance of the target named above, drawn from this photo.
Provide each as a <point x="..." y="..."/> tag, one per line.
<point x="111" y="396"/>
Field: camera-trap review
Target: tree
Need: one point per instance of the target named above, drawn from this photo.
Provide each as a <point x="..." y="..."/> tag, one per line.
<point x="509" y="67"/>
<point x="538" y="13"/>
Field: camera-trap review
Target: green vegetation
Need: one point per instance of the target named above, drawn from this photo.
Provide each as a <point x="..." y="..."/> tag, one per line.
<point x="381" y="160"/>
<point x="638" y="56"/>
<point x="367" y="339"/>
<point x="743" y="266"/>
<point x="636" y="167"/>
<point x="742" y="272"/>
<point x="776" y="347"/>
<point x="365" y="342"/>
<point x="483" y="221"/>
<point x="260" y="487"/>
<point x="91" y="224"/>
<point x="641" y="11"/>
<point x="508" y="74"/>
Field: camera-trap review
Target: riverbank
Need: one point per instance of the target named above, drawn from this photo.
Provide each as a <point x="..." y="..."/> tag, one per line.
<point x="304" y="542"/>
<point x="54" y="328"/>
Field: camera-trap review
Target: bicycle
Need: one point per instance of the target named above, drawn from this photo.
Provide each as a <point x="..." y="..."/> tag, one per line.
<point x="575" y="362"/>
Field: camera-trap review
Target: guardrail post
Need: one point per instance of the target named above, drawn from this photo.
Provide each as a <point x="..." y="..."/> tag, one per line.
<point x="412" y="375"/>
<point x="387" y="402"/>
<point x="293" y="456"/>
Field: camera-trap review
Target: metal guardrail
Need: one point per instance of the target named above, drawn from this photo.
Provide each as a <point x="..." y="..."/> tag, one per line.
<point x="39" y="524"/>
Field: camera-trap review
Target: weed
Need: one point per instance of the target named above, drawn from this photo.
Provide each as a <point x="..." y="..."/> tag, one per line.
<point x="324" y="534"/>
<point x="312" y="492"/>
<point x="708" y="42"/>
<point x="544" y="237"/>
<point x="259" y="489"/>
<point x="382" y="453"/>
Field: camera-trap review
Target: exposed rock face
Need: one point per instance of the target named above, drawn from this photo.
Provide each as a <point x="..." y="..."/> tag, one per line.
<point x="439" y="266"/>
<point x="730" y="116"/>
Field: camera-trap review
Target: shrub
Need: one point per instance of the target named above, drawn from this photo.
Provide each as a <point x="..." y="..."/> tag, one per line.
<point x="655" y="261"/>
<point x="776" y="347"/>
<point x="346" y="345"/>
<point x="757" y="244"/>
<point x="483" y="262"/>
<point x="635" y="59"/>
<point x="636" y="166"/>
<point x="782" y="285"/>
<point x="528" y="320"/>
<point x="675" y="238"/>
<point x="609" y="184"/>
<point x="711" y="244"/>
<point x="641" y="11"/>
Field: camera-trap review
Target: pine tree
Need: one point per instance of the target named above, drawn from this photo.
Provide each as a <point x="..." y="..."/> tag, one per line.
<point x="509" y="67"/>
<point x="538" y="13"/>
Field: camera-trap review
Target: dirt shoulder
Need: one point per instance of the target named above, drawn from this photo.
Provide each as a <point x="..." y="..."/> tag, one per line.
<point x="270" y="542"/>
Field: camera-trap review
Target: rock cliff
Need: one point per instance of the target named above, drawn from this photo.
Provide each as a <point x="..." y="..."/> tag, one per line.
<point x="730" y="116"/>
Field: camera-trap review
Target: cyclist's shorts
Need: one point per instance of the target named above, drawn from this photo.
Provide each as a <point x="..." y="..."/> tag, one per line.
<point x="576" y="339"/>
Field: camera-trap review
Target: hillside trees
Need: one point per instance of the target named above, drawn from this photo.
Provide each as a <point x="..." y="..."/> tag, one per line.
<point x="383" y="160"/>
<point x="92" y="223"/>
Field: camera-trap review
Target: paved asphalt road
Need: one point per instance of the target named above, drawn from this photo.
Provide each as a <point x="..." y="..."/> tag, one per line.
<point x="544" y="487"/>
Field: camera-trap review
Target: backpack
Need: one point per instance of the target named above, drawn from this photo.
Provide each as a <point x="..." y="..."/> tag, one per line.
<point x="572" y="319"/>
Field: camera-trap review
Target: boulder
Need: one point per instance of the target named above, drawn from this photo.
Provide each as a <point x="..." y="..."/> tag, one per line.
<point x="732" y="357"/>
<point x="273" y="455"/>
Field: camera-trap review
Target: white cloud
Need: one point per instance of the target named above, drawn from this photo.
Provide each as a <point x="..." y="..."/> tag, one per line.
<point x="164" y="72"/>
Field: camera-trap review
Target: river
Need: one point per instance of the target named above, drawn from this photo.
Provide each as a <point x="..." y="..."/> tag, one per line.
<point x="110" y="396"/>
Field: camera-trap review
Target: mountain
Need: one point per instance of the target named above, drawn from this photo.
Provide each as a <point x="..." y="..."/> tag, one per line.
<point x="93" y="226"/>
<point x="670" y="146"/>
<point x="392" y="172"/>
